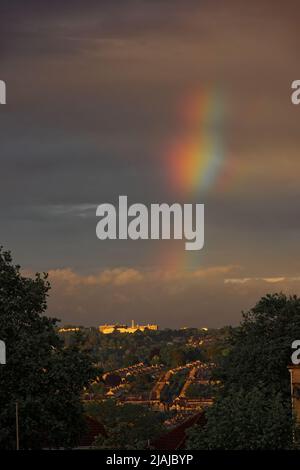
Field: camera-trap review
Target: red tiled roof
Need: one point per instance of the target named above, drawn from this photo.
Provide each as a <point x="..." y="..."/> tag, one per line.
<point x="94" y="428"/>
<point x="175" y="438"/>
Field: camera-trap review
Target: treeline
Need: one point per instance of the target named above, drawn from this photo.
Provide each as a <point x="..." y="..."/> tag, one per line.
<point x="168" y="347"/>
<point x="253" y="406"/>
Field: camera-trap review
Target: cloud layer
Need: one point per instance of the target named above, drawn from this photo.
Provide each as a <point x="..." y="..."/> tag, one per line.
<point x="93" y="90"/>
<point x="173" y="298"/>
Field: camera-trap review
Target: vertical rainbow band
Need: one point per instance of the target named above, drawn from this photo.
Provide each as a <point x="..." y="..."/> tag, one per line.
<point x="197" y="155"/>
<point x="195" y="162"/>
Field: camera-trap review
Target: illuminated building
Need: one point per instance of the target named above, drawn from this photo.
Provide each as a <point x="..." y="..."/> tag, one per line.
<point x="107" y="329"/>
<point x="68" y="329"/>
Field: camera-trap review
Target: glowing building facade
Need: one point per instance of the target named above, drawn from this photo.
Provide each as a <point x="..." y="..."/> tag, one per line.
<point x="107" y="329"/>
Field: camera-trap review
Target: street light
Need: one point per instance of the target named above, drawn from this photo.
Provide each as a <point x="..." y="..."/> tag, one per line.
<point x="3" y="361"/>
<point x="17" y="426"/>
<point x="2" y="352"/>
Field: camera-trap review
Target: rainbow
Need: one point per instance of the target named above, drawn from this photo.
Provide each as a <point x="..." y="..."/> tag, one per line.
<point x="196" y="155"/>
<point x="195" y="160"/>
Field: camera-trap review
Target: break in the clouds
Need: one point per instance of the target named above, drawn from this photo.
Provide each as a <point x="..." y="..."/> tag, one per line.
<point x="193" y="297"/>
<point x="95" y="90"/>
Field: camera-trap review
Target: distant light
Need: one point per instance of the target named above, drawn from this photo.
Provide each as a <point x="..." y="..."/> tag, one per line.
<point x="66" y="330"/>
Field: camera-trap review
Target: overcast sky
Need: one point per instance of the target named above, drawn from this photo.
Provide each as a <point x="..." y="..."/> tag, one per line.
<point x="93" y="92"/>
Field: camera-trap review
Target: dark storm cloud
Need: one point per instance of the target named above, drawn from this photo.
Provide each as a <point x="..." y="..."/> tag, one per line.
<point x="46" y="25"/>
<point x="93" y="93"/>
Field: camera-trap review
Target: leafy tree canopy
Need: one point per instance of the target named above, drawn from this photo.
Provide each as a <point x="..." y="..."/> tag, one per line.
<point x="245" y="420"/>
<point x="127" y="426"/>
<point x="41" y="375"/>
<point x="260" y="348"/>
<point x="253" y="409"/>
